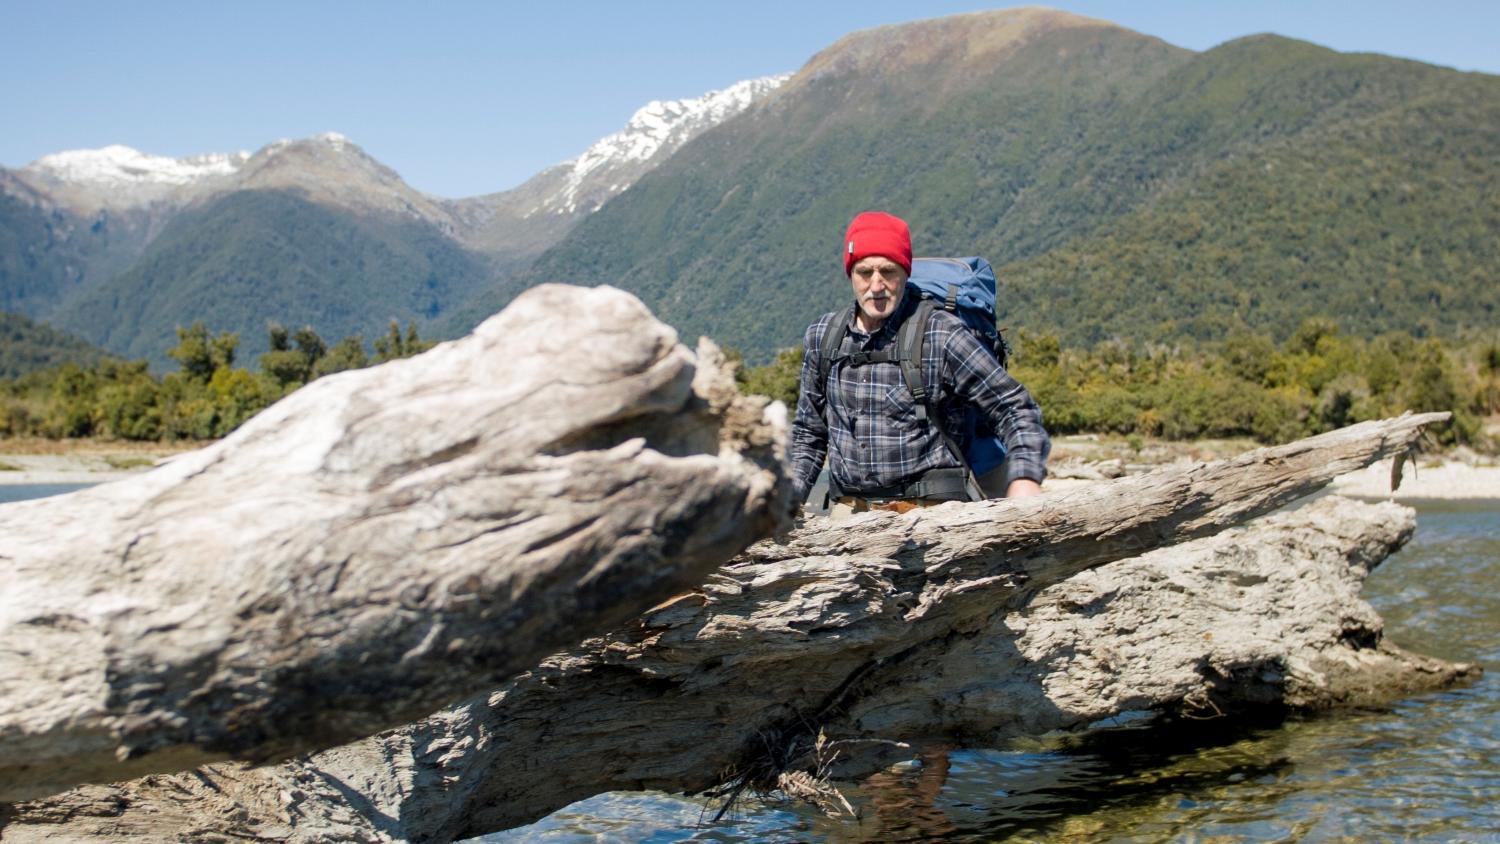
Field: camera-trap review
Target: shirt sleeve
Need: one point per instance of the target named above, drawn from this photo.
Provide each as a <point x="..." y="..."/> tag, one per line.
<point x="809" y="427"/>
<point x="978" y="378"/>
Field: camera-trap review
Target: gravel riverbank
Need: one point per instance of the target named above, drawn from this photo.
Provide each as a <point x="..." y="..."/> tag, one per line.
<point x="1449" y="479"/>
<point x="82" y="462"/>
<point x="1452" y="477"/>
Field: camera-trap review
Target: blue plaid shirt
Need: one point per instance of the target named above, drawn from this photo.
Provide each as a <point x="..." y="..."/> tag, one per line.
<point x="877" y="440"/>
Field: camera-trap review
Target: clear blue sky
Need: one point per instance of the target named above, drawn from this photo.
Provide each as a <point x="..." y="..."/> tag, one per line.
<point x="464" y="98"/>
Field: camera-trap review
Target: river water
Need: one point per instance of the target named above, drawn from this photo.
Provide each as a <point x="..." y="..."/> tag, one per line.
<point x="1422" y="769"/>
<point x="21" y="492"/>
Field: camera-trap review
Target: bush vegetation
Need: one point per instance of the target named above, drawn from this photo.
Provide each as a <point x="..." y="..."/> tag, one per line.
<point x="1247" y="385"/>
<point x="1316" y="380"/>
<point x="207" y="397"/>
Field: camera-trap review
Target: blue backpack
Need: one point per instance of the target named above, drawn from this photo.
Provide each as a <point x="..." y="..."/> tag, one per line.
<point x="964" y="287"/>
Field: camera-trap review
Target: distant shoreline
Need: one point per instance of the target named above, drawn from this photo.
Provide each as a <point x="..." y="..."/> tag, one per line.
<point x="37" y="461"/>
<point x="1450" y="480"/>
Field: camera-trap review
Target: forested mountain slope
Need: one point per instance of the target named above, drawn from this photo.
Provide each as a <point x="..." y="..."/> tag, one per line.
<point x="250" y="258"/>
<point x="49" y="254"/>
<point x="1125" y="187"/>
<point x="26" y="346"/>
<point x="1380" y="211"/>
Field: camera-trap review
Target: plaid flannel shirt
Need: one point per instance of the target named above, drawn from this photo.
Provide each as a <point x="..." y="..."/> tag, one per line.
<point x="872" y="427"/>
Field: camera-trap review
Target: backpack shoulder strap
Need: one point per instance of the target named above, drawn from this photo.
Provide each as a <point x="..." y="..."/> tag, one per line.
<point x="833" y="335"/>
<point x="910" y="341"/>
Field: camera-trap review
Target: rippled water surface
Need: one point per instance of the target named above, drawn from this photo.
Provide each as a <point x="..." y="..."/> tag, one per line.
<point x="22" y="492"/>
<point x="1422" y="769"/>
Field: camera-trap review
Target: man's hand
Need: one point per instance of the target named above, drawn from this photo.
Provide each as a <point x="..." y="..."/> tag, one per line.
<point x="1023" y="487"/>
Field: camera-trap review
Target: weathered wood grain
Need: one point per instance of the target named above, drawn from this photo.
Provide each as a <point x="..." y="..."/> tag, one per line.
<point x="378" y="545"/>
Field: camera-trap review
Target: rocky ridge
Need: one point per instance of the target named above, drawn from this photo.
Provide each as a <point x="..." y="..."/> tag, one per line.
<point x="537" y="213"/>
<point x="654" y="132"/>
<point x="113" y="244"/>
<point x="332" y="169"/>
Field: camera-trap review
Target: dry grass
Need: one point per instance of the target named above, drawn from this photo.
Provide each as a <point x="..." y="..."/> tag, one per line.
<point x="816" y="787"/>
<point x="127" y="462"/>
<point x="781" y="774"/>
<point x="104" y="449"/>
<point x="1144" y="450"/>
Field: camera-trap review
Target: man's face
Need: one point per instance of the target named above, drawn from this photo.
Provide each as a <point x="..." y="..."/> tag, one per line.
<point x="878" y="284"/>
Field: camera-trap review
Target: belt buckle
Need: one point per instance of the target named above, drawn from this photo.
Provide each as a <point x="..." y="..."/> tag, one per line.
<point x="892" y="505"/>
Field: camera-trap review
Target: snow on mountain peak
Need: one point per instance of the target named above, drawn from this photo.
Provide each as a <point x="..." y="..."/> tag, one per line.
<point x="118" y="166"/>
<point x="652" y="126"/>
<point x="333" y="139"/>
<point x="338" y="142"/>
<point x="121" y="177"/>
<point x="659" y="126"/>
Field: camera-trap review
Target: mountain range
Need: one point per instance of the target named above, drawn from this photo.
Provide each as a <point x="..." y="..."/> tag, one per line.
<point x="1122" y="186"/>
<point x="120" y="247"/>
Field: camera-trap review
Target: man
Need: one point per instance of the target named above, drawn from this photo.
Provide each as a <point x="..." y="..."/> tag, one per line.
<point x="882" y="452"/>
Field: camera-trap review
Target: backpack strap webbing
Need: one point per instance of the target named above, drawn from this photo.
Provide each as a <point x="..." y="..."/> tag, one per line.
<point x="828" y="348"/>
<point x="911" y="340"/>
<point x="935" y="484"/>
<point x="833" y="335"/>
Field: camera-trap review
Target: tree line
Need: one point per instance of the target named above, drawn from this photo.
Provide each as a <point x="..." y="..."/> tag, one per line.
<point x="206" y="398"/>
<point x="26" y="346"/>
<point x="1247" y="385"/>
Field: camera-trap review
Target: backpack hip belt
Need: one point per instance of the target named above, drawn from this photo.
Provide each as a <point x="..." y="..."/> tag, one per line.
<point x="933" y="485"/>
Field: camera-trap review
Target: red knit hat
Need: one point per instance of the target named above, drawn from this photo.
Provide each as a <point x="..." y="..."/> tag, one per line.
<point x="877" y="233"/>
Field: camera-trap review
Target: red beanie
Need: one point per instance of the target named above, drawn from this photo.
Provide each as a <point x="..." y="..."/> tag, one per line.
<point x="877" y="233"/>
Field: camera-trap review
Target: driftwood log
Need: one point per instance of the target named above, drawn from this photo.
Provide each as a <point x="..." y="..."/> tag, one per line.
<point x="378" y="545"/>
<point x="967" y="623"/>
